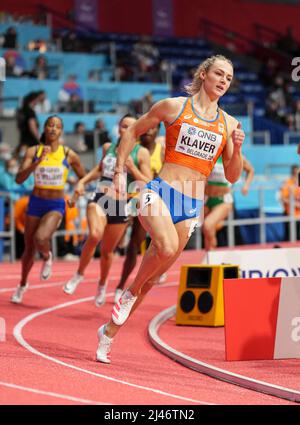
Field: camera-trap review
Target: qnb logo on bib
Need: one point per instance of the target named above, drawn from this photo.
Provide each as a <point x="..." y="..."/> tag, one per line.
<point x="198" y="142"/>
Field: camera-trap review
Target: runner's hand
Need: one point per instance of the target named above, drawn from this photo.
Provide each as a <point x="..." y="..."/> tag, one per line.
<point x="72" y="201"/>
<point x="45" y="151"/>
<point x="120" y="182"/>
<point x="238" y="137"/>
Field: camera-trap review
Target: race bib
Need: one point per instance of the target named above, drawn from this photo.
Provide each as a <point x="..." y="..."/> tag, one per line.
<point x="49" y="176"/>
<point x="198" y="142"/>
<point x="108" y="166"/>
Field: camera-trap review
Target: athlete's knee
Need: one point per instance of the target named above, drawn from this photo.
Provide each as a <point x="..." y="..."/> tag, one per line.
<point x="208" y="229"/>
<point x="40" y="240"/>
<point x="107" y="255"/>
<point x="95" y="236"/>
<point x="167" y="248"/>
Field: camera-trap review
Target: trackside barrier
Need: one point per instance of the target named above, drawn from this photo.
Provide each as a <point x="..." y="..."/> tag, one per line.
<point x="262" y="318"/>
<point x="262" y="220"/>
<point x="231" y="224"/>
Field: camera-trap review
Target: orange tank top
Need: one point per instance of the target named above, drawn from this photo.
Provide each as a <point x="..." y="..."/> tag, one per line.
<point x="195" y="142"/>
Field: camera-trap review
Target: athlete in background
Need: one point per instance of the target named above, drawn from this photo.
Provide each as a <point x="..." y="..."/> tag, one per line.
<point x="138" y="233"/>
<point x="50" y="162"/>
<point x="107" y="210"/>
<point x="219" y="200"/>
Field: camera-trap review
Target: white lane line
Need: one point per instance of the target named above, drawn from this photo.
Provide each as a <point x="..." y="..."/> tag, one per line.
<point x="50" y="285"/>
<point x="42" y="285"/>
<point x="67" y="272"/>
<point x="51" y="394"/>
<point x="17" y="332"/>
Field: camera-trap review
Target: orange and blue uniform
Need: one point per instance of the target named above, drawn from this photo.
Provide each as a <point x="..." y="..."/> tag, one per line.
<point x="195" y="143"/>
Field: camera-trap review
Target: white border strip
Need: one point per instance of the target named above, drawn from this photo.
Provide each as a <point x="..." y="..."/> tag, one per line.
<point x="49" y="393"/>
<point x="207" y="369"/>
<point x="17" y="332"/>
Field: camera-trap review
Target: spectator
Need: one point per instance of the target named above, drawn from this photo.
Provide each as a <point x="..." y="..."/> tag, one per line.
<point x="69" y="42"/>
<point x="93" y="75"/>
<point x="272" y="111"/>
<point x="278" y="93"/>
<point x="147" y="102"/>
<point x="7" y="180"/>
<point x="74" y="104"/>
<point x="124" y="68"/>
<point x="65" y="99"/>
<point x="289" y="121"/>
<point x="12" y="69"/>
<point x="27" y="121"/>
<point x="43" y="105"/>
<point x="40" y="70"/>
<point x="79" y="133"/>
<point x="5" y="154"/>
<point x="103" y="137"/>
<point x="102" y="132"/>
<point x="146" y="55"/>
<point x="297" y="115"/>
<point x="289" y="189"/>
<point x="10" y="39"/>
<point x="142" y="105"/>
<point x="269" y="71"/>
<point x="72" y="87"/>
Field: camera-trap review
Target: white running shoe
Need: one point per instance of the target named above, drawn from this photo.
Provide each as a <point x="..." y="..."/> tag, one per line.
<point x="46" y="271"/>
<point x="71" y="285"/>
<point x="104" y="347"/>
<point x="118" y="294"/>
<point x="101" y="295"/>
<point x="123" y="307"/>
<point x="18" y="295"/>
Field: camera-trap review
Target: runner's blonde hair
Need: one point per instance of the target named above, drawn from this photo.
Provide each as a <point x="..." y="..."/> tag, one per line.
<point x="195" y="85"/>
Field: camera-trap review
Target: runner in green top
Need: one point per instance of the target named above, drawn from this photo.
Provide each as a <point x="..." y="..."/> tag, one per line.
<point x="107" y="209"/>
<point x="219" y="201"/>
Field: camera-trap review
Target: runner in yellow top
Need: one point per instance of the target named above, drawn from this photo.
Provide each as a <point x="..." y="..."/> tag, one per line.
<point x="50" y="163"/>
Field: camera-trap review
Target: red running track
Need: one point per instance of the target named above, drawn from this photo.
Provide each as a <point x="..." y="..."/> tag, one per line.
<point x="49" y="353"/>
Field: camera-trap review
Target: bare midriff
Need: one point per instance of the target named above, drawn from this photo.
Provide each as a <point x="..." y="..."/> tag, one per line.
<point x="48" y="193"/>
<point x="189" y="182"/>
